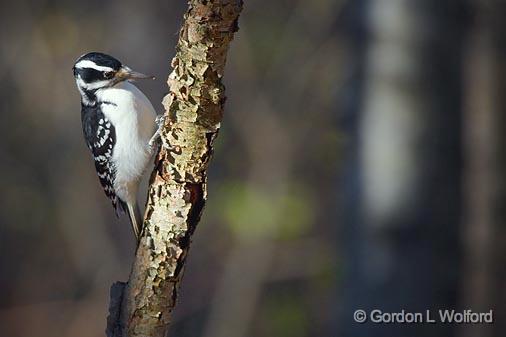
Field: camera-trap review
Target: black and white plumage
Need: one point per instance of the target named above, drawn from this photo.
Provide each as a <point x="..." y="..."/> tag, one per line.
<point x="118" y="123"/>
<point x="100" y="137"/>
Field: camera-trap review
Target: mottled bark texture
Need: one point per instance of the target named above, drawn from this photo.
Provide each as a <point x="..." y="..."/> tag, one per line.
<point x="177" y="193"/>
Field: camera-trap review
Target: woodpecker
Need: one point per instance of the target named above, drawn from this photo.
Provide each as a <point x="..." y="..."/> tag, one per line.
<point x="118" y="124"/>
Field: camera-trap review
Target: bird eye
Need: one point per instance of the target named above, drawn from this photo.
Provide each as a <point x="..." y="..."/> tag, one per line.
<point x="108" y="74"/>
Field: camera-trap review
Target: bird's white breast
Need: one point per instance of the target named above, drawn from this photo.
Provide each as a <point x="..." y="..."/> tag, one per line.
<point x="133" y="118"/>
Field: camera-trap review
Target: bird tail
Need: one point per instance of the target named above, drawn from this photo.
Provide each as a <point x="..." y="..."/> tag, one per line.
<point x="135" y="219"/>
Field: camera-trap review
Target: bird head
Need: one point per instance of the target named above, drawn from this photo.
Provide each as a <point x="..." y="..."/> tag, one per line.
<point x="93" y="71"/>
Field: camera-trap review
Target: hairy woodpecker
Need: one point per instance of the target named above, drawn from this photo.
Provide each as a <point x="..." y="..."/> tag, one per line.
<point x="118" y="124"/>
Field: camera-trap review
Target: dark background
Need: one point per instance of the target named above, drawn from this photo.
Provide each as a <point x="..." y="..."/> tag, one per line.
<point x="361" y="165"/>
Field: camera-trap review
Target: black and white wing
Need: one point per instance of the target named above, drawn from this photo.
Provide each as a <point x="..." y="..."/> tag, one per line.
<point x="100" y="138"/>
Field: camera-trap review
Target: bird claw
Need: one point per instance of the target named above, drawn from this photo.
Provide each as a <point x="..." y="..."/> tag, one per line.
<point x="156" y="138"/>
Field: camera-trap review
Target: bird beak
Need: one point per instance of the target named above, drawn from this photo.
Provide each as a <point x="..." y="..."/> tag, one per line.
<point x="125" y="73"/>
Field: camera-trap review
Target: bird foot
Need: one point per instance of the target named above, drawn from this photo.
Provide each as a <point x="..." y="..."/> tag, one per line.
<point x="156" y="138"/>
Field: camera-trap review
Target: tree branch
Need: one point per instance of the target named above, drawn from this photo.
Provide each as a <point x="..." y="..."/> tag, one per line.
<point x="177" y="193"/>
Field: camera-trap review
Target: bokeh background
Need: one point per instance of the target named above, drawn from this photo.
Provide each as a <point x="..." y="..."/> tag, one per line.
<point x="361" y="165"/>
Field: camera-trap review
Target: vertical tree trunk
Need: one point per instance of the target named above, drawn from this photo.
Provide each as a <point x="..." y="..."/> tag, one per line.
<point x="404" y="186"/>
<point x="177" y="192"/>
<point x="484" y="284"/>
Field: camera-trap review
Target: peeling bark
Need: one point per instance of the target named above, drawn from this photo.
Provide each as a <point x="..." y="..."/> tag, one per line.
<point x="177" y="193"/>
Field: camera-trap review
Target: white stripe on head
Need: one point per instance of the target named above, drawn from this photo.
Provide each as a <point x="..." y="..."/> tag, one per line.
<point x="92" y="85"/>
<point x="90" y="64"/>
<point x="83" y="95"/>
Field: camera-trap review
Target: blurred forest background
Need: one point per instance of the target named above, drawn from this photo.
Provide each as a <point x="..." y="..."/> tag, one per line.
<point x="361" y="164"/>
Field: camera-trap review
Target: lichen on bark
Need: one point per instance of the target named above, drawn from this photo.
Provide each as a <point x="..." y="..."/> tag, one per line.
<point x="177" y="192"/>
